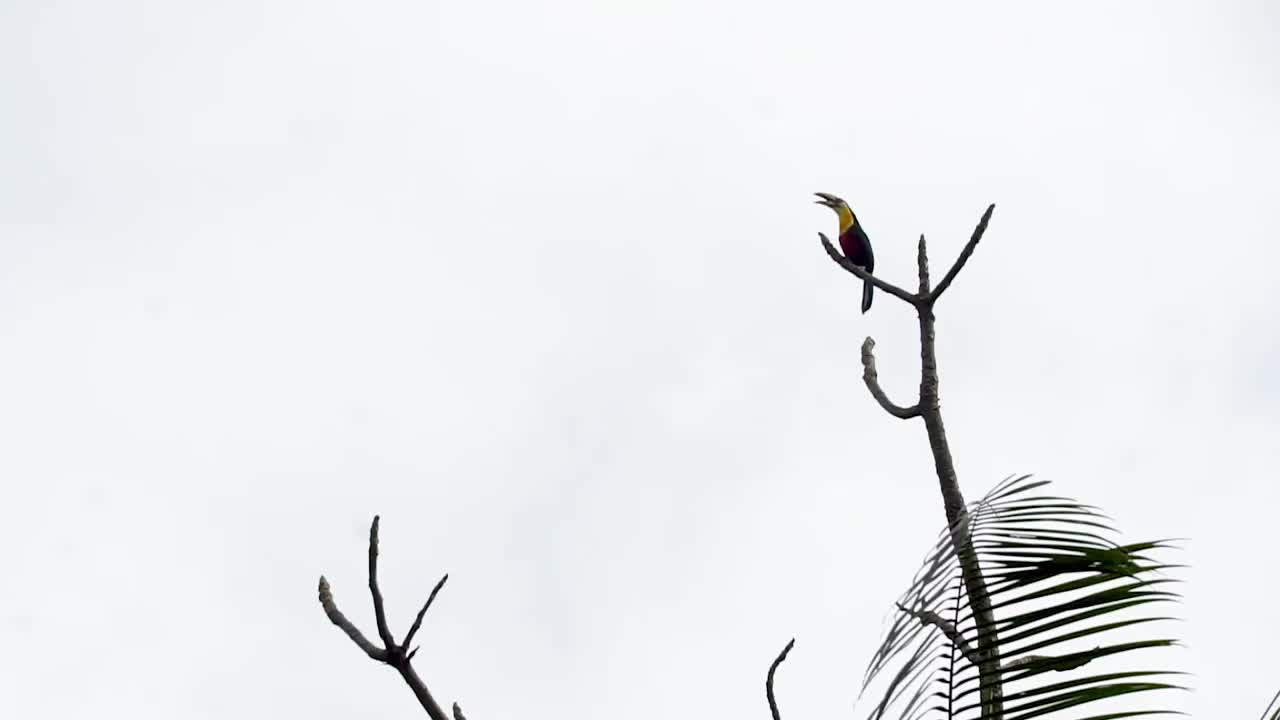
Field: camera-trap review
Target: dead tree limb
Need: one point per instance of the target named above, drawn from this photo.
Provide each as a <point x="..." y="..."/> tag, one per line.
<point x="886" y="286"/>
<point x="397" y="655"/>
<point x="929" y="409"/>
<point x="417" y="621"/>
<point x="928" y="617"/>
<point x="768" y="682"/>
<point x="872" y="380"/>
<point x="969" y="247"/>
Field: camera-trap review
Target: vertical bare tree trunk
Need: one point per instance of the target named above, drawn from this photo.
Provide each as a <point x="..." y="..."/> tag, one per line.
<point x="929" y="409"/>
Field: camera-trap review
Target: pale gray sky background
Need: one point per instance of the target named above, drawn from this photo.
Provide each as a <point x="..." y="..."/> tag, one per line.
<point x="538" y="281"/>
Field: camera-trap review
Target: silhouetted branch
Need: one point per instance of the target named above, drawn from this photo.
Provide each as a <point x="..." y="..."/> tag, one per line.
<point x="379" y="612"/>
<point x="768" y="683"/>
<point x="872" y="380"/>
<point x="928" y="617"/>
<point x="922" y="266"/>
<point x="888" y="287"/>
<point x="417" y="621"/>
<point x="337" y="618"/>
<point x="964" y="254"/>
<point x="391" y="653"/>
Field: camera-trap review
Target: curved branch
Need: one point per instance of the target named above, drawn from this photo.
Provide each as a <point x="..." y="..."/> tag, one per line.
<point x="872" y="380"/>
<point x="888" y="287"/>
<point x="768" y="683"/>
<point x="964" y="254"/>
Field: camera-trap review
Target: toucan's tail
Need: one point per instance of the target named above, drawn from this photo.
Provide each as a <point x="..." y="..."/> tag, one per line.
<point x="867" y="289"/>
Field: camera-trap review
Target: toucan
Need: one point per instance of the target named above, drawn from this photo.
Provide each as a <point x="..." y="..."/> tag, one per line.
<point x="854" y="242"/>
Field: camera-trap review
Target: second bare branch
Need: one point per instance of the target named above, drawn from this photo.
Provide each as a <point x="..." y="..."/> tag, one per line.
<point x="964" y="254"/>
<point x="872" y="380"/>
<point x="768" y="683"/>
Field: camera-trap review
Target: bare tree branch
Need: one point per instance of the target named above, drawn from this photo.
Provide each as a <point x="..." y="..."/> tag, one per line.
<point x="888" y="287"/>
<point x="417" y="621"/>
<point x="337" y="618"/>
<point x="768" y="683"/>
<point x="379" y="611"/>
<point x="872" y="380"/>
<point x="391" y="653"/>
<point x="922" y="266"/>
<point x="420" y="691"/>
<point x="928" y="617"/>
<point x="964" y="254"/>
<point x="457" y="713"/>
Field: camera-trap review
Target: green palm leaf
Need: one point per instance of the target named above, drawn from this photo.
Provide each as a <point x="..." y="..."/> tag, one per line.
<point x="1068" y="601"/>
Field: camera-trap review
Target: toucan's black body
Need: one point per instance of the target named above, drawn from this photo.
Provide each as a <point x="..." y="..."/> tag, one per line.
<point x="857" y="247"/>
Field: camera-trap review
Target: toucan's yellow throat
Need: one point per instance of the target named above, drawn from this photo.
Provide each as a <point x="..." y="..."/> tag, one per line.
<point x="847" y="219"/>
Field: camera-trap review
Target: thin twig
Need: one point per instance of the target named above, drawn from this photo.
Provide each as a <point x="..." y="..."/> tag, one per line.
<point x="964" y="254"/>
<point x="379" y="611"/>
<point x="922" y="266"/>
<point x="337" y="618"/>
<point x="768" y="683"/>
<point x="928" y="617"/>
<point x="457" y="713"/>
<point x="872" y="380"/>
<point x="417" y="621"/>
<point x="888" y="287"/>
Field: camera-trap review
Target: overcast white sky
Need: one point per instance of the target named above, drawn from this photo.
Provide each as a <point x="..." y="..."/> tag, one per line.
<point x="538" y="281"/>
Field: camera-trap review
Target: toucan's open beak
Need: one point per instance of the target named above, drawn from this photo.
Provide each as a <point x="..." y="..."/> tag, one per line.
<point x="829" y="200"/>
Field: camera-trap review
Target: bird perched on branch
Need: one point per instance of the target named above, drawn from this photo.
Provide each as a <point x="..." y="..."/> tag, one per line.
<point x="854" y="242"/>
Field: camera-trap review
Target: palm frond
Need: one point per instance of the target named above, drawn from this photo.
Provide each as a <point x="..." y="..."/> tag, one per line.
<point x="1067" y="600"/>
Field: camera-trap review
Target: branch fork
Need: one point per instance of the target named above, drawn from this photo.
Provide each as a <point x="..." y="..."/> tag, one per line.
<point x="397" y="655"/>
<point x="924" y="297"/>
